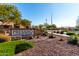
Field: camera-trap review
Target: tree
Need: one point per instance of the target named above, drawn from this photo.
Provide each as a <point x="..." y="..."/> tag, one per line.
<point x="25" y="23"/>
<point x="9" y="12"/>
<point x="40" y="26"/>
<point x="53" y="26"/>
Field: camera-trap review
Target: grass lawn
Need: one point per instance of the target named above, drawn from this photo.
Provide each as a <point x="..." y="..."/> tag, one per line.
<point x="12" y="47"/>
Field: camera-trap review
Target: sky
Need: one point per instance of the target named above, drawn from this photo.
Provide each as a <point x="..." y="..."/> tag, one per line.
<point x="63" y="14"/>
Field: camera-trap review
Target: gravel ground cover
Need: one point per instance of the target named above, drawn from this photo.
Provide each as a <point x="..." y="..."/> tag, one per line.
<point x="51" y="47"/>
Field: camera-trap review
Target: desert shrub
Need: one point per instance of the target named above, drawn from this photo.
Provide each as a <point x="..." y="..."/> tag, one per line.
<point x="70" y="33"/>
<point x="30" y="37"/>
<point x="57" y="31"/>
<point x="51" y="36"/>
<point x="4" y="38"/>
<point x="61" y="32"/>
<point x="9" y="48"/>
<point x="37" y="32"/>
<point x="45" y="33"/>
<point x="54" y="32"/>
<point x="73" y="40"/>
<point x="2" y="31"/>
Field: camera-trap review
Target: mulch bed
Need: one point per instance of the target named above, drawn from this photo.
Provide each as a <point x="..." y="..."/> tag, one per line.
<point x="51" y="47"/>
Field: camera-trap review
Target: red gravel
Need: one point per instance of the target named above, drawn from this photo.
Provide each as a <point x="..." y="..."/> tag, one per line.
<point x="51" y="47"/>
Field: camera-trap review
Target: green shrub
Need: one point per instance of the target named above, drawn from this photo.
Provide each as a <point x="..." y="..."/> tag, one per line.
<point x="23" y="46"/>
<point x="70" y="33"/>
<point x="9" y="48"/>
<point x="78" y="44"/>
<point x="73" y="40"/>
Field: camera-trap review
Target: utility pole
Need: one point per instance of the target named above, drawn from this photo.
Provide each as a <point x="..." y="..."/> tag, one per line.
<point x="46" y="23"/>
<point x="51" y="20"/>
<point x="46" y="20"/>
